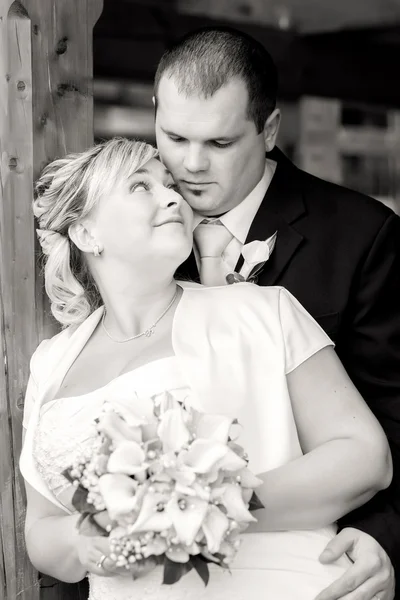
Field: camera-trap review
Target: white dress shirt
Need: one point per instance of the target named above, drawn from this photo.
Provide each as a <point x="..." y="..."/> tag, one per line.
<point x="239" y="219"/>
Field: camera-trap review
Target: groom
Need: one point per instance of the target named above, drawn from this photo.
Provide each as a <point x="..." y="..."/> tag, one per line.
<point x="336" y="250"/>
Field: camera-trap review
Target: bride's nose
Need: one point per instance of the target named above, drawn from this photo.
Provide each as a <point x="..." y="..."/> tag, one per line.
<point x="169" y="198"/>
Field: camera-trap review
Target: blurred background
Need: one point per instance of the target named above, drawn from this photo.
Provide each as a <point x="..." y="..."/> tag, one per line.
<point x="338" y="62"/>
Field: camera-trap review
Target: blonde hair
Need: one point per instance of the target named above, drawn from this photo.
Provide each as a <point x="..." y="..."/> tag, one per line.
<point x="66" y="192"/>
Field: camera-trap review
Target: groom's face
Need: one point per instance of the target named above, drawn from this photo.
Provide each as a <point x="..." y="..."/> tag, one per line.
<point x="209" y="145"/>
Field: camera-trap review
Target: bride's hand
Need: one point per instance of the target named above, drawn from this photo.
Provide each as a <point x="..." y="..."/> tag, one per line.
<point x="94" y="555"/>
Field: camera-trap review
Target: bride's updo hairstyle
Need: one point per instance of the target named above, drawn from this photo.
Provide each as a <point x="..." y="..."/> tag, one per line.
<point x="66" y="192"/>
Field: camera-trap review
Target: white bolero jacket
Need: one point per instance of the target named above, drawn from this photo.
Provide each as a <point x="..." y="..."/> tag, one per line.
<point x="235" y="345"/>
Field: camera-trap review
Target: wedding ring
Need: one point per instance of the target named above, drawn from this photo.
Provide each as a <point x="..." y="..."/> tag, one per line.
<point x="99" y="564"/>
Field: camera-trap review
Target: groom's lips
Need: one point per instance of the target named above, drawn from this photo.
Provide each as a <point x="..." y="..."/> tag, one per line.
<point x="196" y="183"/>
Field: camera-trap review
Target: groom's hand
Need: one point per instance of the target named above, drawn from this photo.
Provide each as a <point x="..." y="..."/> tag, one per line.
<point x="370" y="577"/>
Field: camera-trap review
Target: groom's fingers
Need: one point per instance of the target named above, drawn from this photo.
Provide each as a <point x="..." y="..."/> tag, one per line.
<point x="350" y="581"/>
<point x="371" y="571"/>
<point x="362" y="581"/>
<point x="342" y="543"/>
<point x="368" y="591"/>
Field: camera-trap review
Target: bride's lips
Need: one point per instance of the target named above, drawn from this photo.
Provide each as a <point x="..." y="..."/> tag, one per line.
<point x="171" y="220"/>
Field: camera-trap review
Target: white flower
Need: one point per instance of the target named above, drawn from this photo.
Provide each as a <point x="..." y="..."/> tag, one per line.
<point x="255" y="253"/>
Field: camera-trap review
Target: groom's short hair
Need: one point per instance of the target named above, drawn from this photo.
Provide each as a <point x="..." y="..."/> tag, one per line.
<point x="206" y="59"/>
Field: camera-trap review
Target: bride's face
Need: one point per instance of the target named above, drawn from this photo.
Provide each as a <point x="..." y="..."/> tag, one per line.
<point x="144" y="219"/>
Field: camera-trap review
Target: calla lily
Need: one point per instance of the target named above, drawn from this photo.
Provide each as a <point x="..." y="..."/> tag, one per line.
<point x="166" y="401"/>
<point x="205" y="456"/>
<point x="117" y="429"/>
<point x="178" y="554"/>
<point x="173" y="431"/>
<point x="213" y="427"/>
<point x="136" y="410"/>
<point x="215" y="525"/>
<point x="155" y="547"/>
<point x="187" y="520"/>
<point x="231" y="461"/>
<point x="193" y="549"/>
<point x="247" y="494"/>
<point x="149" y="432"/>
<point x="150" y="517"/>
<point x="233" y="501"/>
<point x="100" y="463"/>
<point x="228" y="550"/>
<point x="248" y="479"/>
<point x="181" y="473"/>
<point x="119" y="494"/>
<point x="127" y="458"/>
<point x="256" y="253"/>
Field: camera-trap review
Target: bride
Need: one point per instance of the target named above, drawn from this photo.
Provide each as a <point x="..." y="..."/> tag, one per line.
<point x="113" y="230"/>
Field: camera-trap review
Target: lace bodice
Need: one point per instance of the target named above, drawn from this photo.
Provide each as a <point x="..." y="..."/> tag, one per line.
<point x="67" y="425"/>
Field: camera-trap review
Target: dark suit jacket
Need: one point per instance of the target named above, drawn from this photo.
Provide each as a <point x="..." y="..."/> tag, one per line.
<point x="338" y="252"/>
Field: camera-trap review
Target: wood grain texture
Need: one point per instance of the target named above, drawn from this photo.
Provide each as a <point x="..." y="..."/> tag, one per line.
<point x="46" y="111"/>
<point x="306" y="16"/>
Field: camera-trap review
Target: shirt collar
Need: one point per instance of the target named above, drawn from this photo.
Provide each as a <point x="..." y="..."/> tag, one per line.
<point x="239" y="219"/>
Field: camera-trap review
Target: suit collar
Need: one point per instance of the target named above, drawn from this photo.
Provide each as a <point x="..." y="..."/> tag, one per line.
<point x="283" y="199"/>
<point x="282" y="206"/>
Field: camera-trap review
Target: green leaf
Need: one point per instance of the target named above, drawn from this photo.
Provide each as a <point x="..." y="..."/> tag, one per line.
<point x="255" y="503"/>
<point x="67" y="475"/>
<point x="79" y="501"/>
<point x="200" y="565"/>
<point x="256" y="270"/>
<point x="173" y="571"/>
<point x="88" y="526"/>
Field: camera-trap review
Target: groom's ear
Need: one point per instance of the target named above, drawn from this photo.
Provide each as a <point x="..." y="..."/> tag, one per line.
<point x="271" y="129"/>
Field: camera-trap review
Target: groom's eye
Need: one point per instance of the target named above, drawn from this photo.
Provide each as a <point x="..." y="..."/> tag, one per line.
<point x="173" y="186"/>
<point x="221" y="144"/>
<point x="176" y="139"/>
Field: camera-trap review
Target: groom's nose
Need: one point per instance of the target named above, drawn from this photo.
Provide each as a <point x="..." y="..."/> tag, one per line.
<point x="195" y="159"/>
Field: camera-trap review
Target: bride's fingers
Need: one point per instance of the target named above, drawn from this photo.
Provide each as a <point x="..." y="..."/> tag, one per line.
<point x="143" y="567"/>
<point x="103" y="565"/>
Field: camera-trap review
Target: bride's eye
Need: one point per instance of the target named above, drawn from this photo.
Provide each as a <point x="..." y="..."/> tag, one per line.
<point x="139" y="186"/>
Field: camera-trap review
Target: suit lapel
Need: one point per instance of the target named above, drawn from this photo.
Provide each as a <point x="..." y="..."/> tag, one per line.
<point x="282" y="205"/>
<point x="188" y="270"/>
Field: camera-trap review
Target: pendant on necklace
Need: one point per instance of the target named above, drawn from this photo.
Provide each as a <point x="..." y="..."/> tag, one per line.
<point x="149" y="332"/>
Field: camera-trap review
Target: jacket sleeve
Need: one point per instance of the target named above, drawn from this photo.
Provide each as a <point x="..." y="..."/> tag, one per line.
<point x="38" y="360"/>
<point x="370" y="351"/>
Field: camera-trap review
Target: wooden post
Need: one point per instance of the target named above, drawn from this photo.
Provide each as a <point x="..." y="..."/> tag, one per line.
<point x="46" y="110"/>
<point x="318" y="149"/>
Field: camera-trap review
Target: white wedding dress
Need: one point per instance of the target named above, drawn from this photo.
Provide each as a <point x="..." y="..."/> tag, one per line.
<point x="268" y="566"/>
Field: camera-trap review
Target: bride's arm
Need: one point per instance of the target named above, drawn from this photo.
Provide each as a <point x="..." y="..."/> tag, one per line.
<point x="346" y="454"/>
<point x="53" y="543"/>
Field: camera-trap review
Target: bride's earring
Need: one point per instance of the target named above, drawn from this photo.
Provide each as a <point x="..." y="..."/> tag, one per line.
<point x="96" y="251"/>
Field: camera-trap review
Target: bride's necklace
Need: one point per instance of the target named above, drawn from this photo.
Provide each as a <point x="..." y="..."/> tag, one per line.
<point x="148" y="332"/>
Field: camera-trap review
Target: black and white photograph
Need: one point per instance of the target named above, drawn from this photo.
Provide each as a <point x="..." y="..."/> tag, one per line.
<point x="199" y="300"/>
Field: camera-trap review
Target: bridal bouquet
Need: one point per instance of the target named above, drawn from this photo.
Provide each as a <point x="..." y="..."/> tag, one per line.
<point x="173" y="484"/>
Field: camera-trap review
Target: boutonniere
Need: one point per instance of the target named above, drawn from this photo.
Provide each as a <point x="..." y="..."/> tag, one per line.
<point x="255" y="256"/>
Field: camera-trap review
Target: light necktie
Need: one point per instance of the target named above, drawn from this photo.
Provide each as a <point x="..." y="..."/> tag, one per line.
<point x="211" y="240"/>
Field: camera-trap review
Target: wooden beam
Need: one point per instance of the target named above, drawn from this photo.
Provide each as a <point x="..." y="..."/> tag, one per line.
<point x="129" y="40"/>
<point x="305" y="16"/>
<point x="45" y="111"/>
<point x="352" y="67"/>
